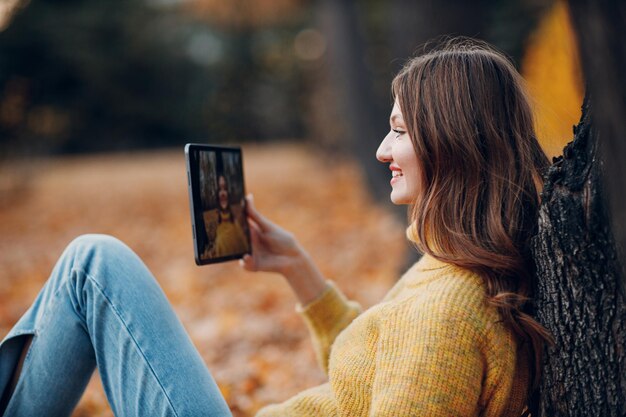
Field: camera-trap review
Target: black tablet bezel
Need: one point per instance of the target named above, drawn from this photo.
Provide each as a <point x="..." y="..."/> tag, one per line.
<point x="195" y="206"/>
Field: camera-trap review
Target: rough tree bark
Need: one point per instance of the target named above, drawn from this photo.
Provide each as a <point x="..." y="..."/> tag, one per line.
<point x="601" y="33"/>
<point x="579" y="295"/>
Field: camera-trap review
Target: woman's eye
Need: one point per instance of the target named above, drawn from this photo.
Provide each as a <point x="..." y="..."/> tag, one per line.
<point x="398" y="132"/>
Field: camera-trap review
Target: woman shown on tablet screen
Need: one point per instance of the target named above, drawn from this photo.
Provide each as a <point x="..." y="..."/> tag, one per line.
<point x="229" y="236"/>
<point x="452" y="338"/>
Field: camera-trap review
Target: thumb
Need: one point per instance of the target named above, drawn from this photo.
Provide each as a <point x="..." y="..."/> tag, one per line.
<point x="264" y="224"/>
<point x="248" y="263"/>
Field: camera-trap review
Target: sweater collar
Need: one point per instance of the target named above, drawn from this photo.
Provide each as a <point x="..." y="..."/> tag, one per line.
<point x="411" y="233"/>
<point x="427" y="262"/>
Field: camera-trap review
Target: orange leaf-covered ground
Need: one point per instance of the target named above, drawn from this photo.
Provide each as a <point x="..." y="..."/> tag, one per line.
<point x="243" y="324"/>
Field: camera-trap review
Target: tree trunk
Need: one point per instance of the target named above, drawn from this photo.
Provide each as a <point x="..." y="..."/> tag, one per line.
<point x="601" y="32"/>
<point x="579" y="295"/>
<point x="359" y="112"/>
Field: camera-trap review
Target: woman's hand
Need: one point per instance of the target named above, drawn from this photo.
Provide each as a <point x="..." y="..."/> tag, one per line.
<point x="274" y="249"/>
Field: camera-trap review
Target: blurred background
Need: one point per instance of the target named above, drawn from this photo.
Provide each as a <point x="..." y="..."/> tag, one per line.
<point x="98" y="98"/>
<point x="87" y="76"/>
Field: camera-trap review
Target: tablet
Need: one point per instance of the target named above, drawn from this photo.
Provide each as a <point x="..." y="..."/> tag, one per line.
<point x="217" y="203"/>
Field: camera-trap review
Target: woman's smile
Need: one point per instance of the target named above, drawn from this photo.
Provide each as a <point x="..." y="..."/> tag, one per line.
<point x="396" y="173"/>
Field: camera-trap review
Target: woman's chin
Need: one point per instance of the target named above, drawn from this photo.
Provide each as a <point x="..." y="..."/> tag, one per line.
<point x="399" y="200"/>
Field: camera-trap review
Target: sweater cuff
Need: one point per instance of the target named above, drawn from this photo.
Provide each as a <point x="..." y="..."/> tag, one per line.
<point x="328" y="310"/>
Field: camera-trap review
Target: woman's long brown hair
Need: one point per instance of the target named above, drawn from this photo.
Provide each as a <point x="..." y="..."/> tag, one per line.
<point x="471" y="124"/>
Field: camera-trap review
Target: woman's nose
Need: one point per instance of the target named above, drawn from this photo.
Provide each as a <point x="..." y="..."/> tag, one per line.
<point x="383" y="153"/>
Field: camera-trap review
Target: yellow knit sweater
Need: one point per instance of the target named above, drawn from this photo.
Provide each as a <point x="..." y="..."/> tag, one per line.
<point x="432" y="347"/>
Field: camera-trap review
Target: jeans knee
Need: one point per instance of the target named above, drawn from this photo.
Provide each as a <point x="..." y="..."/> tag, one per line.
<point x="94" y="250"/>
<point x="105" y="261"/>
<point x="96" y="242"/>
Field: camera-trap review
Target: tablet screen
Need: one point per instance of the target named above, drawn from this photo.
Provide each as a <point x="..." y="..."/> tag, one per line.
<point x="218" y="206"/>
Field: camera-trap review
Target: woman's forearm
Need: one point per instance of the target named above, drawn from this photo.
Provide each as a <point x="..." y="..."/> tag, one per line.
<point x="304" y="277"/>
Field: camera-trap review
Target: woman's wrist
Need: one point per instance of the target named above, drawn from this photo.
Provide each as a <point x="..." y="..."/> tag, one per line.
<point x="304" y="277"/>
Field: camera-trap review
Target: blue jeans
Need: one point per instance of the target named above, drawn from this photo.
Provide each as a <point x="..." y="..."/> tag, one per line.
<point x="102" y="307"/>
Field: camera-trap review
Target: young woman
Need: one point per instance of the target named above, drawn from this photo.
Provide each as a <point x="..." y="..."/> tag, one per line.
<point x="229" y="236"/>
<point x="452" y="338"/>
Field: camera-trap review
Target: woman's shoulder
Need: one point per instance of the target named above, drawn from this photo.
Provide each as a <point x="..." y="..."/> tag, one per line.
<point x="431" y="278"/>
<point x="434" y="289"/>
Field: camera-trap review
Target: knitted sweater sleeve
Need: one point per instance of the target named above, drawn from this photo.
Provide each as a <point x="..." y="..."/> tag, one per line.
<point x="325" y="318"/>
<point x="429" y="360"/>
